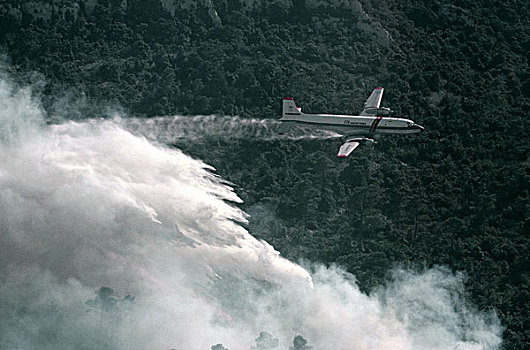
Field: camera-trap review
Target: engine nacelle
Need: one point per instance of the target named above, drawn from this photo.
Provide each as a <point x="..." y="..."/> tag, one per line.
<point x="382" y="111"/>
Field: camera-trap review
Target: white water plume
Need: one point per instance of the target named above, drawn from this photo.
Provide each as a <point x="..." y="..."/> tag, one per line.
<point x="88" y="204"/>
<point x="173" y="128"/>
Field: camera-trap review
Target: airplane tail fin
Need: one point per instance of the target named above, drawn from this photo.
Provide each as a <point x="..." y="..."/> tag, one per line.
<point x="289" y="108"/>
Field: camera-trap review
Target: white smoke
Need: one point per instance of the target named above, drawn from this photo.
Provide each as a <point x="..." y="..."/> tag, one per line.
<point x="89" y="204"/>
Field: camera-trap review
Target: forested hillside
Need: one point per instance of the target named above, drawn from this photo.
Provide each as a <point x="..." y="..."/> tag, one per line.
<point x="457" y="195"/>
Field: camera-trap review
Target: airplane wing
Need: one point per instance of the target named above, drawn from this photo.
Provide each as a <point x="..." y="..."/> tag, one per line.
<point x="348" y="147"/>
<point x="373" y="101"/>
<point x="351" y="143"/>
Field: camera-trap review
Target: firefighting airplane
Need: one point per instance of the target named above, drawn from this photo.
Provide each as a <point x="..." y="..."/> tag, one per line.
<point x="356" y="128"/>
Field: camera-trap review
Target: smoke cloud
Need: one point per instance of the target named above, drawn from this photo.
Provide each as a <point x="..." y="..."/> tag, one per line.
<point x="90" y="204"/>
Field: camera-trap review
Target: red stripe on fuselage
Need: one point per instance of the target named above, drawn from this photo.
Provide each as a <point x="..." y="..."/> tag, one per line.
<point x="375" y="123"/>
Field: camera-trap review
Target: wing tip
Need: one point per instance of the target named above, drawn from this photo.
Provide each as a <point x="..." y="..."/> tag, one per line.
<point x="379" y="88"/>
<point x="288" y="98"/>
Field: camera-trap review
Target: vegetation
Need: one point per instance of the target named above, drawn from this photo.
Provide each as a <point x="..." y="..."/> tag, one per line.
<point x="457" y="195"/>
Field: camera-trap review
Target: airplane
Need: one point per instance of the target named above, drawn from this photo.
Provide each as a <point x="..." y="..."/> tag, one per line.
<point x="356" y="128"/>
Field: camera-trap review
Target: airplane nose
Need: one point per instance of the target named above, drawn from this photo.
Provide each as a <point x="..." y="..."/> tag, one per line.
<point x="417" y="126"/>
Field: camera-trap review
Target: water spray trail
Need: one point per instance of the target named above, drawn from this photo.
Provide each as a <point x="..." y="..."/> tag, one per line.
<point x="90" y="204"/>
<point x="170" y="129"/>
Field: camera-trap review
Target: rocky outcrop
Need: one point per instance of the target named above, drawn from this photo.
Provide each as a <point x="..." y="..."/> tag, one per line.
<point x="41" y="10"/>
<point x="205" y="6"/>
<point x="47" y="10"/>
<point x="349" y="4"/>
<point x="11" y="10"/>
<point x="70" y="10"/>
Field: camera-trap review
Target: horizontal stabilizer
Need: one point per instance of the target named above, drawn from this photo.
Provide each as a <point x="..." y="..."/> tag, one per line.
<point x="347" y="148"/>
<point x="285" y="127"/>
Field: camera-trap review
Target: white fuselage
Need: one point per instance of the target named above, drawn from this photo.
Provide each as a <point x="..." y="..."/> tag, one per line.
<point x="352" y="124"/>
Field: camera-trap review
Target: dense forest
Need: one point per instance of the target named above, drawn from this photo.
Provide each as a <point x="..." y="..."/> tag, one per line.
<point x="457" y="195"/>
